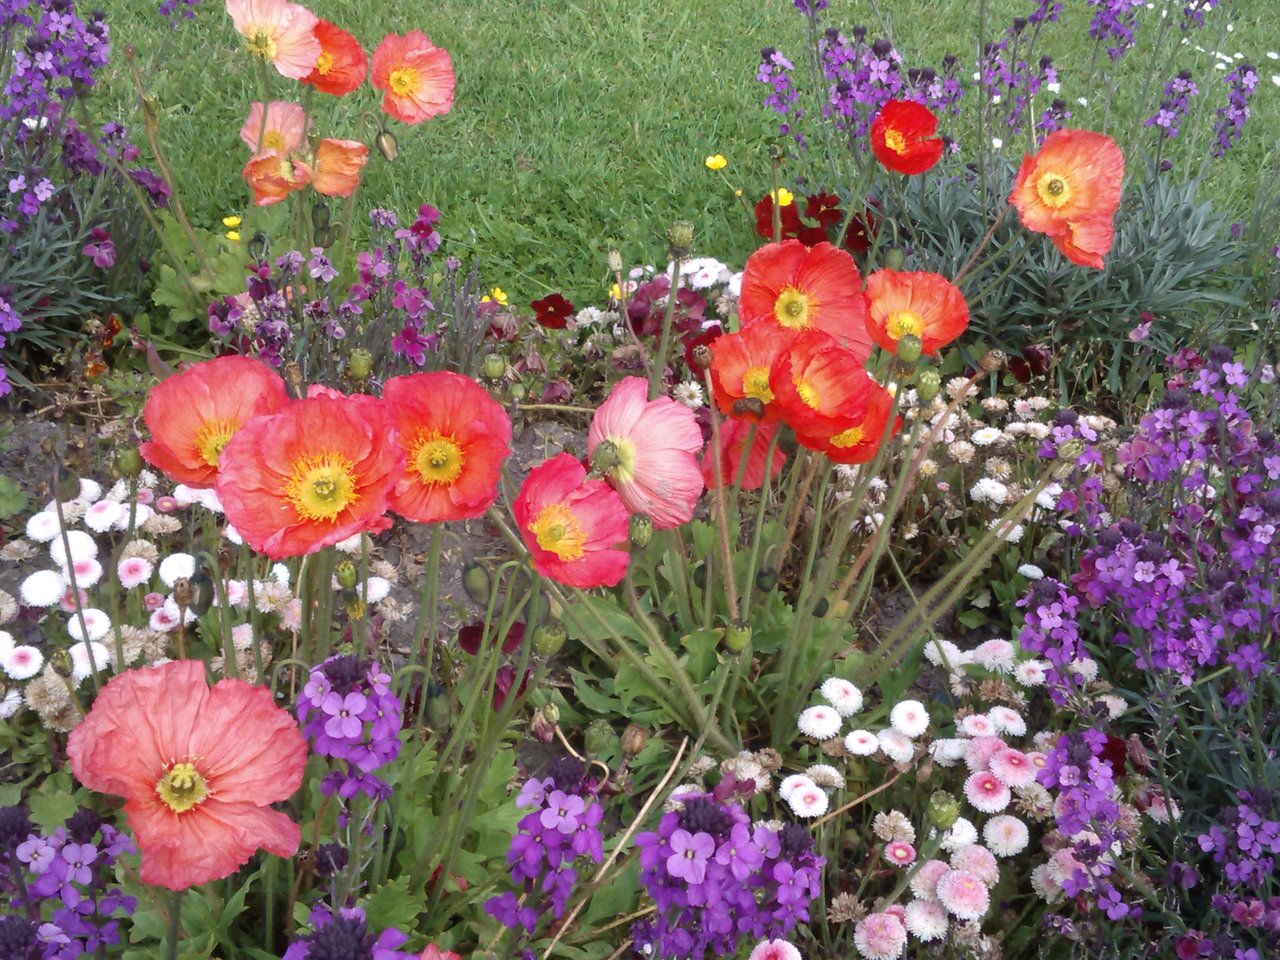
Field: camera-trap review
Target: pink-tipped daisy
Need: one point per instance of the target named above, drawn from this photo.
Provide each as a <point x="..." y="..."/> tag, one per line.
<point x="22" y="663"/>
<point x="793" y="783"/>
<point x="1006" y="836"/>
<point x="909" y="718"/>
<point x="926" y="920"/>
<point x="861" y="743"/>
<point x="133" y="572"/>
<point x="963" y="895"/>
<point x="821" y="723"/>
<point x="994" y="655"/>
<point x="985" y="791"/>
<point x="1008" y="721"/>
<point x="96" y="623"/>
<point x="808" y="801"/>
<point x="82" y="545"/>
<point x="42" y="527"/>
<point x="773" y="950"/>
<point x="1013" y="768"/>
<point x="103" y="515"/>
<point x="1030" y="673"/>
<point x="880" y="936"/>
<point x="900" y="853"/>
<point x="979" y="861"/>
<point x="924" y="882"/>
<point x="896" y="746"/>
<point x="978" y="725"/>
<point x="88" y="572"/>
<point x="981" y="750"/>
<point x="86" y="659"/>
<point x="842" y="695"/>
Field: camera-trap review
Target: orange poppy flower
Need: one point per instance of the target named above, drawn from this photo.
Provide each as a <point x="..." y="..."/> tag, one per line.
<point x="272" y="176"/>
<point x="193" y="414"/>
<point x="733" y="447"/>
<point x="312" y="475"/>
<point x="814" y="383"/>
<point x="341" y="66"/>
<point x="199" y="769"/>
<point x="455" y="437"/>
<point x="1070" y="191"/>
<point x="856" y="434"/>
<point x="925" y="305"/>
<point x="416" y="77"/>
<point x="902" y="137"/>
<point x="740" y="365"/>
<point x="802" y="289"/>
<point x="279" y="31"/>
<point x="337" y="167"/>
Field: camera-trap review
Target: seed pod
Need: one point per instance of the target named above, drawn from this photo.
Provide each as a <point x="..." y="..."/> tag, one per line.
<point x="909" y="348"/>
<point x="359" y="364"/>
<point x="129" y="461"/>
<point x="737" y="636"/>
<point x="183" y="593"/>
<point x="549" y="638"/>
<point x="893" y="258"/>
<point x="599" y="737"/>
<point x="605" y="458"/>
<point x="680" y="237"/>
<point x="60" y="660"/>
<point x="993" y="361"/>
<point x="749" y="407"/>
<point x="766" y="579"/>
<point x="927" y="385"/>
<point x="614" y="260"/>
<point x="701" y="356"/>
<point x="493" y="367"/>
<point x="639" y="530"/>
<point x="634" y="739"/>
<point x="943" y="809"/>
<point x="346" y="574"/>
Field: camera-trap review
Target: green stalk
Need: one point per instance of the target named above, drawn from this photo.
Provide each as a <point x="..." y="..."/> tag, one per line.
<point x="659" y="362"/>
<point x="427" y="617"/>
<point x="174" y="933"/>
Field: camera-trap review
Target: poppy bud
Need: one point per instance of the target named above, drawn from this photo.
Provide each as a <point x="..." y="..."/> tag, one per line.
<point x="634" y="739"/>
<point x="129" y="461"/>
<point x="319" y="216"/>
<point x="701" y="356"/>
<point x="944" y="809"/>
<point x="346" y="574"/>
<point x="544" y="728"/>
<point x="605" y="458"/>
<point x="548" y="638"/>
<point x="60" y="660"/>
<point x="475" y="580"/>
<point x="323" y="237"/>
<point x="766" y="579"/>
<point x="614" y="260"/>
<point x="680" y="236"/>
<point x="640" y="530"/>
<point x="893" y="258"/>
<point x="993" y="361"/>
<point x="821" y="607"/>
<point x="700" y="576"/>
<point x="787" y="441"/>
<point x="493" y="367"/>
<point x="437" y="706"/>
<point x="518" y="392"/>
<point x="599" y="736"/>
<point x="359" y="364"/>
<point x="66" y="485"/>
<point x="909" y="348"/>
<point x="387" y="145"/>
<point x="927" y="385"/>
<point x="201" y="593"/>
<point x="737" y="636"/>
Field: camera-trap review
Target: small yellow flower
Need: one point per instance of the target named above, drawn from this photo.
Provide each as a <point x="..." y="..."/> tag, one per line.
<point x="782" y="197"/>
<point x="737" y="193"/>
<point x="496" y="295"/>
<point x="615" y="292"/>
<point x="233" y="236"/>
<point x="716" y="162"/>
<point x="231" y="222"/>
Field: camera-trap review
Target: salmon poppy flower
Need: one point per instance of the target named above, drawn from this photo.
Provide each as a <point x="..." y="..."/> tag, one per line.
<point x="804" y="289"/>
<point x="653" y="463"/>
<point x="1070" y="191"/>
<point x="572" y="525"/>
<point x="924" y="305"/>
<point x="740" y="366"/>
<point x="416" y="77"/>
<point x="283" y="129"/>
<point x="192" y="415"/>
<point x="902" y="137"/>
<point x="312" y="475"/>
<point x="734" y="435"/>
<point x="341" y="66"/>
<point x="337" y="167"/>
<point x="855" y="435"/>
<point x="279" y="31"/>
<point x="272" y="176"/>
<point x="814" y="383"/>
<point x="199" y="768"/>
<point x="455" y="437"/>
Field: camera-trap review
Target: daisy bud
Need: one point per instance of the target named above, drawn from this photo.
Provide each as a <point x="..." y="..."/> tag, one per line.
<point x="893" y="258"/>
<point x="475" y="579"/>
<point x="548" y="638"/>
<point x="128" y="461"/>
<point x="599" y="736"/>
<point x="943" y="809"/>
<point x="634" y="739"/>
<point x="701" y="356"/>
<point x="387" y="145"/>
<point x="737" y="636"/>
<point x="927" y="385"/>
<point x="993" y="361"/>
<point x="680" y="236"/>
<point x="614" y="260"/>
<point x="909" y="347"/>
<point x="346" y="574"/>
<point x="493" y="367"/>
<point x="639" y="528"/>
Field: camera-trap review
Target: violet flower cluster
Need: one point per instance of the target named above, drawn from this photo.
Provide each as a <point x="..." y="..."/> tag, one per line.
<point x="1114" y="24"/>
<point x="10" y="322"/>
<point x="171" y="10"/>
<point x="718" y="880"/>
<point x="1011" y="74"/>
<point x="348" y="712"/>
<point x="58" y="890"/>
<point x="55" y="55"/>
<point x="1242" y="81"/>
<point x="561" y="827"/>
<point x="346" y="937"/>
<point x="1173" y="108"/>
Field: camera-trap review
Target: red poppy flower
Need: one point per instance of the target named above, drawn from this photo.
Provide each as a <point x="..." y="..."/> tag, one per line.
<point x="194" y="414"/>
<point x="740" y="366"/>
<point x="815" y="383"/>
<point x="273" y="175"/>
<point x="792" y="227"/>
<point x="733" y="446"/>
<point x="855" y="435"/>
<point x="902" y="137"/>
<point x="199" y="769"/>
<point x="552" y="311"/>
<point x="316" y="473"/>
<point x="455" y="437"/>
<point x="341" y="66"/>
<point x="800" y="289"/>
<point x="700" y="337"/>
<point x="416" y="77"/>
<point x="572" y="525"/>
<point x="925" y="305"/>
<point x="1070" y="191"/>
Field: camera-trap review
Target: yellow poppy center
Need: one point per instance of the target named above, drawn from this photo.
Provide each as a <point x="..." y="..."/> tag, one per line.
<point x="903" y="322"/>
<point x="895" y="141"/>
<point x="557" y="530"/>
<point x="322" y="486"/>
<point x="808" y="392"/>
<point x="1054" y="190"/>
<point x="438" y="459"/>
<point x="755" y="384"/>
<point x="274" y="140"/>
<point x="403" y="81"/>
<point x="792" y="309"/>
<point x="849" y="438"/>
<point x="182" y="787"/>
<point x="324" y="63"/>
<point x="212" y="437"/>
<point x="261" y="44"/>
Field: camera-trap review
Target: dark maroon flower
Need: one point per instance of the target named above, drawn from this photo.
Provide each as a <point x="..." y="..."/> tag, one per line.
<point x="552" y="311"/>
<point x="1034" y="362"/>
<point x="469" y="638"/>
<point x="556" y="391"/>
<point x="502" y="683"/>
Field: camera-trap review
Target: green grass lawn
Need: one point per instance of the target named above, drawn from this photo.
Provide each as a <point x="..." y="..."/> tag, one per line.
<point x="581" y="122"/>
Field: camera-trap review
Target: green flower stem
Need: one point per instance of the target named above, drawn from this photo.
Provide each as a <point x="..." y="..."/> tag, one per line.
<point x="658" y="362"/>
<point x="174" y="933"/>
<point x="676" y="558"/>
<point x="756" y="540"/>
<point x="427" y="610"/>
<point x="718" y="505"/>
<point x="229" y="666"/>
<point x="986" y="238"/>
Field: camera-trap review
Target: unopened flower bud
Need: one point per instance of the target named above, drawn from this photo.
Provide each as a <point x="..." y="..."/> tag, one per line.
<point x="182" y="593"/>
<point x="518" y="392"/>
<point x="927" y="385"/>
<point x="359" y="364"/>
<point x="700" y="576"/>
<point x="821" y="607"/>
<point x="909" y="348"/>
<point x="943" y="809"/>
<point x="634" y="739"/>
<point x="787" y="441"/>
<point x="680" y="236"/>
<point x="766" y="579"/>
<point x="737" y="636"/>
<point x="640" y="530"/>
<point x="544" y="728"/>
<point x="346" y="573"/>
<point x="129" y="461"/>
<point x="475" y="580"/>
<point x="323" y="237"/>
<point x="599" y="736"/>
<point x="60" y="660"/>
<point x="548" y="638"/>
<point x="993" y="361"/>
<point x="614" y="260"/>
<point x="605" y="458"/>
<point x="437" y="706"/>
<point x="749" y="407"/>
<point x="319" y="216"/>
<point x="493" y="367"/>
<point x="777" y="151"/>
<point x="201" y="593"/>
<point x="893" y="258"/>
<point x="701" y="356"/>
<point x="66" y="485"/>
<point x="388" y="146"/>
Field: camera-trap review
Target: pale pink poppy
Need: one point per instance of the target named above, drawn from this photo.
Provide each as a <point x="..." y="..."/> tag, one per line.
<point x="279" y="31"/>
<point x="283" y="129"/>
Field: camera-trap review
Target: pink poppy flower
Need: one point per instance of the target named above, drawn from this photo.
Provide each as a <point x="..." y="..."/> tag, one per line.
<point x="279" y="31"/>
<point x="415" y="76"/>
<point x="198" y="767"/>
<point x="655" y="445"/>
<point x="283" y="128"/>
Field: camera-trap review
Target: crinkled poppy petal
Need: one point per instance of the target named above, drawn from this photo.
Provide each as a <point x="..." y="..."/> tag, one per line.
<point x="740" y="365"/>
<point x="263" y="771"/>
<point x="767" y="271"/>
<point x="902" y="137"/>
<point x="1086" y="242"/>
<point x="830" y="276"/>
<point x="416" y="77"/>
<point x="1086" y="171"/>
<point x="337" y="167"/>
<point x="734" y="436"/>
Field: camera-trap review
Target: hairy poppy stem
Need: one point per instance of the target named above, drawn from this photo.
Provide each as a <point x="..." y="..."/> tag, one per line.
<point x="175" y="925"/>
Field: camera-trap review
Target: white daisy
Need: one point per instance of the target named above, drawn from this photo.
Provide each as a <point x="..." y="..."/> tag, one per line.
<point x="808" y="801"/>
<point x="376" y="588"/>
<point x="792" y="783"/>
<point x="861" y="743"/>
<point x="81" y="656"/>
<point x="43" y="526"/>
<point x="97" y="623"/>
<point x="986" y="436"/>
<point x="896" y="746"/>
<point x="22" y="663"/>
<point x="1030" y="673"/>
<point x="1006" y="836"/>
<point x="961" y="834"/>
<point x="43" y="588"/>
<point x="177" y="566"/>
<point x="1007" y="720"/>
<point x="842" y="695"/>
<point x="82" y="545"/>
<point x="10" y="702"/>
<point x="909" y="718"/>
<point x="1031" y="571"/>
<point x="925" y="920"/>
<point x="819" y="722"/>
<point x="948" y="751"/>
<point x="103" y="515"/>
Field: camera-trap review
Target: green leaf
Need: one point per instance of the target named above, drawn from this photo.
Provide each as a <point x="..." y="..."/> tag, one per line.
<point x="392" y="906"/>
<point x="702" y="646"/>
<point x="13" y="499"/>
